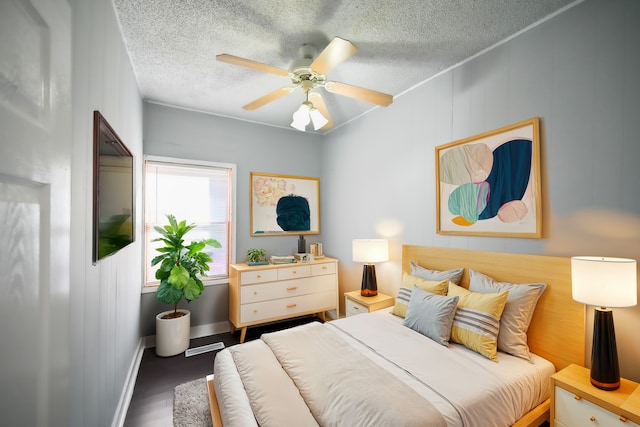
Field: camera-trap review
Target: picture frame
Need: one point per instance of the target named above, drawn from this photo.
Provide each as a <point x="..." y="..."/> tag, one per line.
<point x="284" y="204"/>
<point x="489" y="184"/>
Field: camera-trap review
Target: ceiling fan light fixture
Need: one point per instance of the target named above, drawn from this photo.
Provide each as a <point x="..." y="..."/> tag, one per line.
<point x="306" y="114"/>
<point x="317" y="118"/>
<point x="301" y="118"/>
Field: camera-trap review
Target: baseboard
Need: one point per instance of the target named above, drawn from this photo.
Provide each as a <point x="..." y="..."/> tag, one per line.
<point x="129" y="384"/>
<point x="196" y="332"/>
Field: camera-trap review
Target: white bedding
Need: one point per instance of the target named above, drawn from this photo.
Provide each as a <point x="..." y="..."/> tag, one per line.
<point x="467" y="389"/>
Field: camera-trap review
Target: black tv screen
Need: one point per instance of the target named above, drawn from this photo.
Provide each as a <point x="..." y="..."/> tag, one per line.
<point x="113" y="192"/>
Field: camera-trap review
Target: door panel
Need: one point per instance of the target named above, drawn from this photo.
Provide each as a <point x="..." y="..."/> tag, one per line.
<point x="35" y="167"/>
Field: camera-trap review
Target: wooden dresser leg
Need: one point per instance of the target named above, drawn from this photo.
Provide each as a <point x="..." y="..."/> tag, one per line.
<point x="243" y="334"/>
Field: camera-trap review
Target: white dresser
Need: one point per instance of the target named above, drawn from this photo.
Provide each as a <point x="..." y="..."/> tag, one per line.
<point x="576" y="403"/>
<point x="265" y="293"/>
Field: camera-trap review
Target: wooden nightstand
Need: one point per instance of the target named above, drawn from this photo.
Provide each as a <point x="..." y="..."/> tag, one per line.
<point x="575" y="402"/>
<point x="355" y="303"/>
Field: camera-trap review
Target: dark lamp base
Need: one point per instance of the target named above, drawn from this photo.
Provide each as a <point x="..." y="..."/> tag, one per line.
<point x="605" y="371"/>
<point x="369" y="286"/>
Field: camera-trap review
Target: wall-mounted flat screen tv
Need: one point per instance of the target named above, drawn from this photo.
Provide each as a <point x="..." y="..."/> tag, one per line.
<point x="113" y="191"/>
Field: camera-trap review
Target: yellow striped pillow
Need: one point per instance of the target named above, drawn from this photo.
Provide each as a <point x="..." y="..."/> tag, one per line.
<point x="438" y="287"/>
<point x="477" y="320"/>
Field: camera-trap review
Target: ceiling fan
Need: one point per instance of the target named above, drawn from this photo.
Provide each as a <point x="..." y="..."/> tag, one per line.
<point x="309" y="73"/>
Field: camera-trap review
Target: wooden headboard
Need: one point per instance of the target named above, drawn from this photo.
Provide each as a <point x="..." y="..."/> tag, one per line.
<point x="557" y="330"/>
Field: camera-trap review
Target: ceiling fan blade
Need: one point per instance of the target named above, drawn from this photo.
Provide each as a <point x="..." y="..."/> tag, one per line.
<point x="336" y="51"/>
<point x="360" y="93"/>
<point x="318" y="102"/>
<point x="236" y="60"/>
<point x="269" y="98"/>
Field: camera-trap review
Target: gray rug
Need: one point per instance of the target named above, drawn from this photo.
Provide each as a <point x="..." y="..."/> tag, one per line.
<point x="191" y="404"/>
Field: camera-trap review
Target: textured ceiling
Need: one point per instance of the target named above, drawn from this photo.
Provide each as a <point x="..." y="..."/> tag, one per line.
<point x="401" y="43"/>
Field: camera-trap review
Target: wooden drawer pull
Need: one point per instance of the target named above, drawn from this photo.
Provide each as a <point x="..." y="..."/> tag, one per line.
<point x="577" y="397"/>
<point x="259" y="276"/>
<point x="592" y="419"/>
<point x="293" y="288"/>
<point x="291" y="305"/>
<point x="623" y="419"/>
<point x="355" y="307"/>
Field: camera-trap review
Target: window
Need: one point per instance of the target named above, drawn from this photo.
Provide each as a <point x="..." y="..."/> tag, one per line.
<point x="202" y="193"/>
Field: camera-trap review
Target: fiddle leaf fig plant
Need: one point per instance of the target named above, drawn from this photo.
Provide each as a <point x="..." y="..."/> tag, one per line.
<point x="180" y="264"/>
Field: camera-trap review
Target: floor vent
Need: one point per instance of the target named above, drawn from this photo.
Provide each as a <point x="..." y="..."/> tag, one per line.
<point x="204" y="349"/>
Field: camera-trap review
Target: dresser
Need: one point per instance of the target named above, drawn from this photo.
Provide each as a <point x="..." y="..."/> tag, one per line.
<point x="575" y="402"/>
<point x="266" y="293"/>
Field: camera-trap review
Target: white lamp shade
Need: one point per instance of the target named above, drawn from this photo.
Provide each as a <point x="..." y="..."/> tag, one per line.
<point x="604" y="282"/>
<point x="317" y="118"/>
<point x="370" y="250"/>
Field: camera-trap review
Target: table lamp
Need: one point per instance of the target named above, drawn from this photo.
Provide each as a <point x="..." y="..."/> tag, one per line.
<point x="370" y="251"/>
<point x="604" y="283"/>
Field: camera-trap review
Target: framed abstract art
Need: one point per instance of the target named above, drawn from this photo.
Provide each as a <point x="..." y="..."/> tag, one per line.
<point x="489" y="184"/>
<point x="283" y="204"/>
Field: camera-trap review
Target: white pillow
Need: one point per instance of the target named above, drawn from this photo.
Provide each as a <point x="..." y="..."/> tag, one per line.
<point x="517" y="314"/>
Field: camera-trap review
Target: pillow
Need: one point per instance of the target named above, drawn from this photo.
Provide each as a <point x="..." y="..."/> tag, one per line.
<point x="404" y="293"/>
<point x="454" y="275"/>
<point x="477" y="320"/>
<point x="431" y="315"/>
<point x="517" y="313"/>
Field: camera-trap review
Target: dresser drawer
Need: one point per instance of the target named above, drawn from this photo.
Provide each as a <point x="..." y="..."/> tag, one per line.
<point x="326" y="268"/>
<point x="571" y="410"/>
<point x="287" y="307"/>
<point x="258" y="276"/>
<point x="296" y="272"/>
<point x="353" y="308"/>
<point x="288" y="288"/>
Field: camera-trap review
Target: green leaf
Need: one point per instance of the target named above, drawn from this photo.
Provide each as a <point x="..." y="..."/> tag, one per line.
<point x="192" y="290"/>
<point x="179" y="276"/>
<point x="168" y="294"/>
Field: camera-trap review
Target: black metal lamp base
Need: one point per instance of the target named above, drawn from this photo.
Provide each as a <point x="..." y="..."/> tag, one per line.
<point x="369" y="286"/>
<point x="605" y="371"/>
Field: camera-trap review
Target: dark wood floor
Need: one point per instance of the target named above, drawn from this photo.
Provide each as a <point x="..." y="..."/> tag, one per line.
<point x="152" y="399"/>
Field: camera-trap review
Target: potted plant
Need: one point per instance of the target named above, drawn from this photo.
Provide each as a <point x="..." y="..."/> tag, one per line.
<point x="256" y="256"/>
<point x="179" y="271"/>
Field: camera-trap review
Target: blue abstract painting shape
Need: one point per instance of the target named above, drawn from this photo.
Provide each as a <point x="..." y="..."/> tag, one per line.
<point x="509" y="176"/>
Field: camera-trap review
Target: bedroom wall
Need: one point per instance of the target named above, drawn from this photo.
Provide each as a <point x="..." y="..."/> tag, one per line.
<point x="105" y="298"/>
<point x="174" y="132"/>
<point x="578" y="73"/>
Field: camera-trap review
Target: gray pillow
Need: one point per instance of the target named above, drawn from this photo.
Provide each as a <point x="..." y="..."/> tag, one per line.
<point x="518" y="310"/>
<point x="431" y="314"/>
<point x="454" y="275"/>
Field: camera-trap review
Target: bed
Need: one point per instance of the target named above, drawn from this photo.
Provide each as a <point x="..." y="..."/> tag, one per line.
<point x="372" y="369"/>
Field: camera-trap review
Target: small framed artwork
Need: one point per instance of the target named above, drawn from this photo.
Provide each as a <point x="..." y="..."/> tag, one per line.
<point x="283" y="204"/>
<point x="489" y="184"/>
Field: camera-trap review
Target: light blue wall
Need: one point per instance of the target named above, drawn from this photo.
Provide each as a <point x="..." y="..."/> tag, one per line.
<point x="578" y="72"/>
<point x="185" y="134"/>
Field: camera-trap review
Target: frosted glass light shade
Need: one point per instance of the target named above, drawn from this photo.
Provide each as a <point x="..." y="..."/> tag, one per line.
<point x="370" y="250"/>
<point x="317" y="118"/>
<point x="604" y="282"/>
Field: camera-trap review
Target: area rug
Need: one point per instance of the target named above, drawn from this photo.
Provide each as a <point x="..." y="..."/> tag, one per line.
<point x="191" y="404"/>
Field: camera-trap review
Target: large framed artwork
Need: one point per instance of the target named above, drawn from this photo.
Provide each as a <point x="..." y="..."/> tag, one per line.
<point x="489" y="184"/>
<point x="283" y="204"/>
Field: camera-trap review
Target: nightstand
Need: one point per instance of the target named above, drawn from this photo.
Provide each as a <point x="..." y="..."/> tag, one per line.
<point x="575" y="402"/>
<point x="355" y="303"/>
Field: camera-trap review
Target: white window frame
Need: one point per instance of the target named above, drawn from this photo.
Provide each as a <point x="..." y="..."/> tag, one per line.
<point x="206" y="281"/>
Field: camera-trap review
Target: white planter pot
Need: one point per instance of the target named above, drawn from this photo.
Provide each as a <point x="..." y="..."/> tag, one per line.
<point x="172" y="335"/>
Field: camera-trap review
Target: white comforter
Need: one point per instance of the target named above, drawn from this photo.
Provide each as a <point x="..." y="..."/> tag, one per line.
<point x="466" y="388"/>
